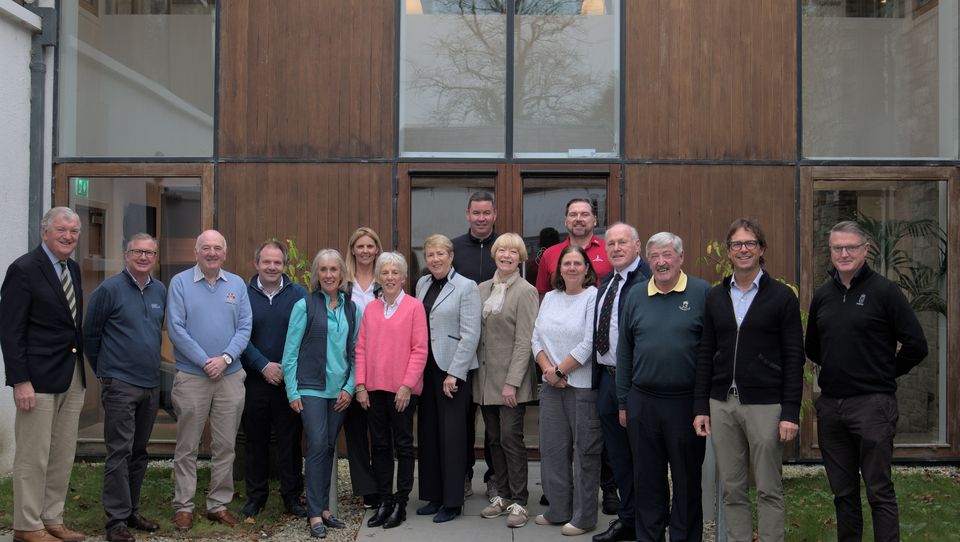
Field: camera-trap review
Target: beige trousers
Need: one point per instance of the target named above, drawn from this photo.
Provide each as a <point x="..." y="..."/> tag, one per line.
<point x="195" y="400"/>
<point x="46" y="440"/>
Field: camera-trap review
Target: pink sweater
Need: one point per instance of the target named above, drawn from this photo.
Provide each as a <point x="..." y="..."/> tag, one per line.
<point x="392" y="352"/>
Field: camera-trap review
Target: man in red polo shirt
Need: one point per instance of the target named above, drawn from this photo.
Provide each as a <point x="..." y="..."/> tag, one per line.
<point x="580" y="222"/>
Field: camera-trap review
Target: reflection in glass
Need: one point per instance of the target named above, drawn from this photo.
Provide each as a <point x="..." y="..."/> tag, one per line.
<point x="907" y="223"/>
<point x="112" y="210"/>
<point x="136" y="78"/>
<point x="880" y="79"/>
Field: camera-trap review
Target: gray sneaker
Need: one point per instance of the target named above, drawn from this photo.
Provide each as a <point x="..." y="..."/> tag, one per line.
<point x="517" y="517"/>
<point x="495" y="509"/>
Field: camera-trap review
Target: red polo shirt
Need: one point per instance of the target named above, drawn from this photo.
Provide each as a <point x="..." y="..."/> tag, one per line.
<point x="548" y="263"/>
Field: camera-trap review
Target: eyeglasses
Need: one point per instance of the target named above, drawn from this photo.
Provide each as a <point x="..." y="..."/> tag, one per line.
<point x="851" y="249"/>
<point x="737" y="245"/>
<point x="140" y="252"/>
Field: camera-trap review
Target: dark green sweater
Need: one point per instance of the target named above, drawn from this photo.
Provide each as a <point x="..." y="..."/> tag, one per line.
<point x="659" y="335"/>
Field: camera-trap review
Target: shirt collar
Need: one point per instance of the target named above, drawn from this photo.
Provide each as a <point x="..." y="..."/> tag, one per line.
<point x="53" y="259"/>
<point x="756" y="281"/>
<point x="260" y="284"/>
<point x="679" y="287"/>
<point x="629" y="269"/>
<point x="129" y="274"/>
<point x="198" y="275"/>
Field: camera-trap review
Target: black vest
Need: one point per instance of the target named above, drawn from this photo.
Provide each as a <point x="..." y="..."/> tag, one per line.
<point x="312" y="360"/>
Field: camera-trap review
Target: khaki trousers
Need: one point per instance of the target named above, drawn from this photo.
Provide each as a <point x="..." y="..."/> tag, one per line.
<point x="46" y="440"/>
<point x="195" y="400"/>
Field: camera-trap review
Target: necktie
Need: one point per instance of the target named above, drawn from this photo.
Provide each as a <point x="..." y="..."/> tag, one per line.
<point x="68" y="289"/>
<point x="603" y="325"/>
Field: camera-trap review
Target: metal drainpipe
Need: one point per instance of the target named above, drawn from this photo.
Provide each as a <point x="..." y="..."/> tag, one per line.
<point x="47" y="37"/>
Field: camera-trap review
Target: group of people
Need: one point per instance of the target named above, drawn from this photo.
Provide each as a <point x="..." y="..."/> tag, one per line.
<point x="622" y="348"/>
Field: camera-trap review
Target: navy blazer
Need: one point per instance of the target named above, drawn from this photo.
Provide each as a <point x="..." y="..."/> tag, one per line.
<point x="41" y="342"/>
<point x="638" y="275"/>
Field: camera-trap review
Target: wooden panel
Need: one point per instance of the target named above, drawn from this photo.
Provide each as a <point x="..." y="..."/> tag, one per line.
<point x="307" y="79"/>
<point x="317" y="205"/>
<point x="711" y="80"/>
<point x="698" y="203"/>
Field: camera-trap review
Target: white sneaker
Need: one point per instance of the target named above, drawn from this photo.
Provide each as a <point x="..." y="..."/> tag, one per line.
<point x="495" y="509"/>
<point x="569" y="529"/>
<point x="517" y="517"/>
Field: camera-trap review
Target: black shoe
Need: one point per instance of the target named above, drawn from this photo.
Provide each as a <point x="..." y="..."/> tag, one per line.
<point x="544" y="501"/>
<point x="250" y="509"/>
<point x="140" y="523"/>
<point x="617" y="531"/>
<point x="371" y="501"/>
<point x="317" y="530"/>
<point x="294" y="508"/>
<point x="446" y="513"/>
<point x="398" y="516"/>
<point x="429" y="509"/>
<point x="119" y="533"/>
<point x="381" y="515"/>
<point x="333" y="522"/>
<point x="611" y="503"/>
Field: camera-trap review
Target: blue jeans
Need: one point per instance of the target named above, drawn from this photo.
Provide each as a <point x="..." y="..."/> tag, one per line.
<point x="321" y="423"/>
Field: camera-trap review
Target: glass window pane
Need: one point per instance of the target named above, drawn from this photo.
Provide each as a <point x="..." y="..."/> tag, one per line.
<point x="880" y="79"/>
<point x="136" y="78"/>
<point x="566" y="79"/>
<point x="452" y="78"/>
<point x="111" y="210"/>
<point x="907" y="221"/>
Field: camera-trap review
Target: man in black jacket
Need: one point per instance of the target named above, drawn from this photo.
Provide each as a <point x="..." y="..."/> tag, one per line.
<point x="749" y="383"/>
<point x="857" y="318"/>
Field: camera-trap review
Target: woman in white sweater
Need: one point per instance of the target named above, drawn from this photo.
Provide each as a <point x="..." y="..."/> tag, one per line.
<point x="570" y="436"/>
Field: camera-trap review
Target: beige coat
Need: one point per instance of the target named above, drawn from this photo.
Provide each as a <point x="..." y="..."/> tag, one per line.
<point x="504" y="350"/>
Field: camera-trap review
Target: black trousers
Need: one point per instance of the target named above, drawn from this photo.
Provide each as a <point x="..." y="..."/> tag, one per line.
<point x="472" y="439"/>
<point x="440" y="436"/>
<point x="358" y="451"/>
<point x="616" y="446"/>
<point x="661" y="436"/>
<point x="129" y="413"/>
<point x="265" y="408"/>
<point x="856" y="436"/>
<point x="391" y="432"/>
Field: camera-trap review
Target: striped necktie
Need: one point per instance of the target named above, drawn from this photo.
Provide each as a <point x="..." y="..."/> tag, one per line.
<point x="68" y="289"/>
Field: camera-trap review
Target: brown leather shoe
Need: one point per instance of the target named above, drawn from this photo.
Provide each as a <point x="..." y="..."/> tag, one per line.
<point x="140" y="523"/>
<point x="61" y="532"/>
<point x="34" y="536"/>
<point x="223" y="517"/>
<point x="183" y="521"/>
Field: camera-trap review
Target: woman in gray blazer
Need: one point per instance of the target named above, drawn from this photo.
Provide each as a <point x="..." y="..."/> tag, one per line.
<point x="452" y="304"/>
<point x="505" y="380"/>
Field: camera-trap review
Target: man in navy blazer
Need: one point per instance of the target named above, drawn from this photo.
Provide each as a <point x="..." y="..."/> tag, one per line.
<point x="623" y="252"/>
<point x="41" y="308"/>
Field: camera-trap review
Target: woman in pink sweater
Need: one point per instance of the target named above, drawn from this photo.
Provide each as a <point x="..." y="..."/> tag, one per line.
<point x="390" y="356"/>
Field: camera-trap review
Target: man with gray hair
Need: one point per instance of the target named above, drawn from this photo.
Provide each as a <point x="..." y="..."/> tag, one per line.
<point x="660" y="326"/>
<point x="857" y="319"/>
<point x="41" y="316"/>
<point x="121" y="338"/>
<point x="209" y="321"/>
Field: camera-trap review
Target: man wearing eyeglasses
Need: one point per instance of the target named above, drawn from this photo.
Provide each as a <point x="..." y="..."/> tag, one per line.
<point x="857" y="319"/>
<point x="121" y="337"/>
<point x="749" y="383"/>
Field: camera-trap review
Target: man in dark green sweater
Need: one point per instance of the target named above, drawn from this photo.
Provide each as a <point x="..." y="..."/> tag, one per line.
<point x="660" y="327"/>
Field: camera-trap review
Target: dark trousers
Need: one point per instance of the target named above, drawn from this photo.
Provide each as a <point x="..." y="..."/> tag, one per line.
<point x="504" y="433"/>
<point x="391" y="432"/>
<point x="322" y="424"/>
<point x="661" y="435"/>
<point x="129" y="413"/>
<point x="471" y="442"/>
<point x="358" y="451"/>
<point x="616" y="445"/>
<point x="266" y="408"/>
<point x="856" y="436"/>
<point x="440" y="437"/>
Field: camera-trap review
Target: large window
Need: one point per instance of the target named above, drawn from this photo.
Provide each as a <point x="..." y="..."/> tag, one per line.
<point x="136" y="78"/>
<point x="455" y="72"/>
<point x="880" y="79"/>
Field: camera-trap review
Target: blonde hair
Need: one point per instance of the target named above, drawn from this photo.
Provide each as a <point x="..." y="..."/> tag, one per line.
<point x="510" y="240"/>
<point x="440" y="241"/>
<point x="362" y="231"/>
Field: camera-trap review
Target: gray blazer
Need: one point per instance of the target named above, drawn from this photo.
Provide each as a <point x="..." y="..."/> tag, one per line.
<point x="454" y="323"/>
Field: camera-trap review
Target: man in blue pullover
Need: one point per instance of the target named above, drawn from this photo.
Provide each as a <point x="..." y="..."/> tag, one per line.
<point x="208" y="321"/>
<point x="272" y="297"/>
<point x="121" y="337"/>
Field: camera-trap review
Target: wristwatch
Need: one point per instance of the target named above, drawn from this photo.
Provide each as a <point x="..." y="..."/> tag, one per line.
<point x="227" y="358"/>
<point x="559" y="373"/>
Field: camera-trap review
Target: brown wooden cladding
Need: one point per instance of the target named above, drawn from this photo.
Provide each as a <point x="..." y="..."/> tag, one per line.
<point x="711" y="80"/>
<point x="317" y="205"/>
<point x="307" y="79"/>
<point x="698" y="203"/>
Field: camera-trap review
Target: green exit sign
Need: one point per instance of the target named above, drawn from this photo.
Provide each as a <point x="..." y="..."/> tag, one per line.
<point x="81" y="187"/>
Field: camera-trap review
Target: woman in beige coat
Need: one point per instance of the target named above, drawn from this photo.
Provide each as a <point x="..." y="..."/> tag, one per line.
<point x="505" y="380"/>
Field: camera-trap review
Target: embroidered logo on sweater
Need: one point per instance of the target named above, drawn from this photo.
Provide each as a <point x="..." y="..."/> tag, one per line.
<point x="685" y="306"/>
<point x="231" y="298"/>
<point x="863" y="297"/>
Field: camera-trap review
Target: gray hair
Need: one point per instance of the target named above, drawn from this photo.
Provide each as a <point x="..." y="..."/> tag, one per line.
<point x="390" y="258"/>
<point x="328" y="254"/>
<point x="664" y="239"/>
<point x="141" y="237"/>
<point x="65" y="213"/>
<point x="634" y="235"/>
<point x="850" y="226"/>
<point x="197" y="245"/>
